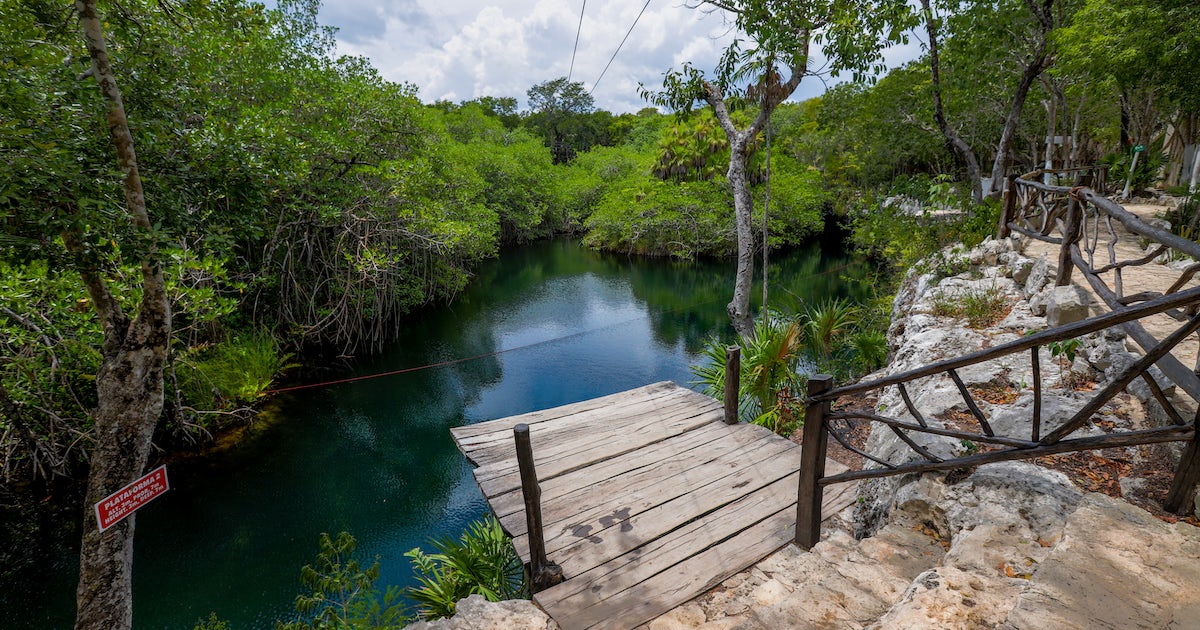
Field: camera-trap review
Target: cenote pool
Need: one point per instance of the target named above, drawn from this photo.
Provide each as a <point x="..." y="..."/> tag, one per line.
<point x="552" y="323"/>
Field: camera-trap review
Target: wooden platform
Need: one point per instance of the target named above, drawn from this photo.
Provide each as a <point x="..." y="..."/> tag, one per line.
<point x="648" y="499"/>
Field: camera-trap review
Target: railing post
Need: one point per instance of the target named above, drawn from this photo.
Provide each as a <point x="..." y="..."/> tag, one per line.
<point x="1007" y="210"/>
<point x="1181" y="497"/>
<point x="812" y="464"/>
<point x="1065" y="266"/>
<point x="733" y="383"/>
<point x="542" y="573"/>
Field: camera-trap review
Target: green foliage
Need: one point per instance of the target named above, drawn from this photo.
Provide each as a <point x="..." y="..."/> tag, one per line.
<point x="1185" y="218"/>
<point x="1065" y="348"/>
<point x="1149" y="164"/>
<point x="641" y="214"/>
<point x="651" y="217"/>
<point x="232" y="372"/>
<point x="342" y="595"/>
<point x="771" y="383"/>
<point x="212" y="623"/>
<point x="481" y="562"/>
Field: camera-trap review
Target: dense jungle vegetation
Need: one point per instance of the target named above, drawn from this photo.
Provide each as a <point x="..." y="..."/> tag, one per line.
<point x="302" y="201"/>
<point x="298" y="201"/>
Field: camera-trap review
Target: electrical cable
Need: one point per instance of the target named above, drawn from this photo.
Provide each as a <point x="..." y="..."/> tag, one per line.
<point x="578" y="29"/>
<point x="614" y="55"/>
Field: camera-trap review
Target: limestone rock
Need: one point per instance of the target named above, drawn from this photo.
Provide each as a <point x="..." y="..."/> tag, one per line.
<point x="1021" y="268"/>
<point x="1066" y="305"/>
<point x="1038" y="277"/>
<point x="1116" y="567"/>
<point x="477" y="613"/>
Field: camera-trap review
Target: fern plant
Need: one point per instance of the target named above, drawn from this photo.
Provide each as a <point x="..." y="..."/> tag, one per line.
<point x="481" y="562"/>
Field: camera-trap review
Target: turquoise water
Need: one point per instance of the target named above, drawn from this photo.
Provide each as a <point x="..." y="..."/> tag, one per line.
<point x="550" y="323"/>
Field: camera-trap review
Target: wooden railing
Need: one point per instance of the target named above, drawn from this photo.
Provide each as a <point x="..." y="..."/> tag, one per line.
<point x="1036" y="210"/>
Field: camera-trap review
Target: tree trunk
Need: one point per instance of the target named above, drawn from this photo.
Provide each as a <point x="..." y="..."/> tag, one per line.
<point x="1032" y="70"/>
<point x="771" y="93"/>
<point x="129" y="384"/>
<point x="954" y="143"/>
<point x="743" y="208"/>
<point x="1051" y="128"/>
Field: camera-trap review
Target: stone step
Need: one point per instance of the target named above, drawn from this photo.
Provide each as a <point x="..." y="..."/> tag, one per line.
<point x="842" y="583"/>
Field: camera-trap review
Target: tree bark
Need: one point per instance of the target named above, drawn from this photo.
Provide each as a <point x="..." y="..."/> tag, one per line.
<point x="129" y="384"/>
<point x="954" y="142"/>
<point x="771" y="94"/>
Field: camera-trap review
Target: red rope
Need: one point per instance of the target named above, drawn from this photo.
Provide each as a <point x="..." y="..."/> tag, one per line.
<point x="418" y="368"/>
<point x="366" y="377"/>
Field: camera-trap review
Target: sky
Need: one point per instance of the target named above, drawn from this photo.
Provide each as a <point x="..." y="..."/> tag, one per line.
<point x="462" y="49"/>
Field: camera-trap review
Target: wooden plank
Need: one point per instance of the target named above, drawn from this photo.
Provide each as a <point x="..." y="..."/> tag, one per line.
<point x="624" y="429"/>
<point x="503" y="477"/>
<point x="720" y="437"/>
<point x="650" y="486"/>
<point x="612" y="578"/>
<point x="544" y="415"/>
<point x="623" y="409"/>
<point x="652" y="597"/>
<point x="600" y="533"/>
<point x="547" y="436"/>
<point x="609" y="579"/>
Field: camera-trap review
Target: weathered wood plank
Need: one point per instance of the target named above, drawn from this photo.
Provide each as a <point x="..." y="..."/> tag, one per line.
<point x="548" y="436"/>
<point x="629" y="495"/>
<point x="503" y="478"/>
<point x="624" y="409"/>
<point x="648" y="499"/>
<point x="610" y="578"/>
<point x="656" y="595"/>
<point x="718" y="437"/>
<point x="551" y="445"/>
<point x="604" y="532"/>
<point x="534" y="417"/>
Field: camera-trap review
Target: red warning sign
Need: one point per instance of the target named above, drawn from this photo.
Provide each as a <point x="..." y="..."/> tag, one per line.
<point x="123" y="502"/>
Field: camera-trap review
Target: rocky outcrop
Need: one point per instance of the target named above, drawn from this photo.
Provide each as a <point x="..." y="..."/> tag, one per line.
<point x="477" y="613"/>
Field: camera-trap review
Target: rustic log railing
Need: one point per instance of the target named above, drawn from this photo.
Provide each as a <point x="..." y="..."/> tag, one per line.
<point x="1033" y="209"/>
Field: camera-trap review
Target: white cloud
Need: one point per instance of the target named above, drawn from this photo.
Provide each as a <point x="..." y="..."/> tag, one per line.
<point x="459" y="50"/>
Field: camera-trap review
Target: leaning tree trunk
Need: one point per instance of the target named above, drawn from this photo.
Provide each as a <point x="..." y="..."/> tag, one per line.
<point x="129" y="384"/>
<point x="954" y="142"/>
<point x="1013" y="119"/>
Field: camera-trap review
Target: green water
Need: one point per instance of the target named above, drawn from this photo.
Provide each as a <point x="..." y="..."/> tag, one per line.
<point x="552" y="323"/>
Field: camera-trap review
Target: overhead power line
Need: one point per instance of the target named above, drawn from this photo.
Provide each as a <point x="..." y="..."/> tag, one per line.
<point x="576" y="49"/>
<point x="614" y="55"/>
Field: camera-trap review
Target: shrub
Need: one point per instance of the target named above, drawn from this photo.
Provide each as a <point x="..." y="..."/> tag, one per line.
<point x="980" y="307"/>
<point x="771" y="384"/>
<point x="343" y="594"/>
<point x="481" y="562"/>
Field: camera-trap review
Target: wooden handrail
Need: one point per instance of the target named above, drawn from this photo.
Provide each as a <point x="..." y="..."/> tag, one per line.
<point x="1060" y="333"/>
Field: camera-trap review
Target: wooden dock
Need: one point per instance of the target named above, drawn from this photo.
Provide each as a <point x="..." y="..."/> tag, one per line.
<point x="648" y="499"/>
